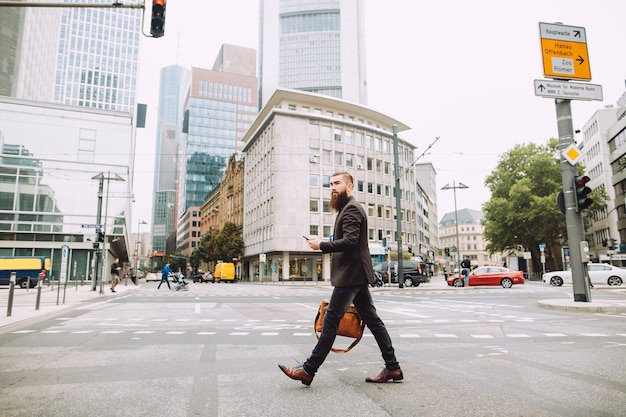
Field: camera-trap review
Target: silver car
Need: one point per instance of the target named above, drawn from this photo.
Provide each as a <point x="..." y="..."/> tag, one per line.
<point x="599" y="274"/>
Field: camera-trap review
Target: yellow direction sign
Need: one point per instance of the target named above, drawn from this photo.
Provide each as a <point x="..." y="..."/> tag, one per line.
<point x="564" y="52"/>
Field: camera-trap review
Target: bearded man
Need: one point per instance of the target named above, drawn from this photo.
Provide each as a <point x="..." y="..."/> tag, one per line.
<point x="351" y="274"/>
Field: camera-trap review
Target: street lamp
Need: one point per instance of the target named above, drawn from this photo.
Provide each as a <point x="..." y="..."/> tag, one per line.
<point x="137" y="246"/>
<point x="101" y="177"/>
<point x="456" y="218"/>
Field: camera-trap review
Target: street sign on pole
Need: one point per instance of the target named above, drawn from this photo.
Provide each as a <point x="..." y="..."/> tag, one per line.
<point x="564" y="51"/>
<point x="568" y="90"/>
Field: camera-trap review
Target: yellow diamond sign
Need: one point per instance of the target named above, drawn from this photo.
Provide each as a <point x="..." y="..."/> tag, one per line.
<point x="572" y="154"/>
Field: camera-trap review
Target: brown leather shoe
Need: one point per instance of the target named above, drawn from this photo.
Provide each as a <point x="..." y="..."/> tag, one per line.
<point x="385" y="375"/>
<point x="298" y="373"/>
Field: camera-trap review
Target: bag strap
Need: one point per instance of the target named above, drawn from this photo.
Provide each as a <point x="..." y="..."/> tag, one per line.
<point x="337" y="350"/>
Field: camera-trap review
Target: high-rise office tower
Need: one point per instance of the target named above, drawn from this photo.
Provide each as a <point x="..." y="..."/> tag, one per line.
<point x="221" y="105"/>
<point x="97" y="58"/>
<point x="313" y="45"/>
<point x="77" y="56"/>
<point x="173" y="89"/>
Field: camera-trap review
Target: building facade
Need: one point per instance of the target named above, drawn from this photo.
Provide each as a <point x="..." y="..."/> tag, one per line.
<point x="427" y="226"/>
<point x="57" y="172"/>
<point x="597" y="162"/>
<point x="174" y="85"/>
<point x="316" y="46"/>
<point x="292" y="149"/>
<point x="84" y="57"/>
<point x="470" y="238"/>
<point x="616" y="135"/>
<point x="220" y="107"/>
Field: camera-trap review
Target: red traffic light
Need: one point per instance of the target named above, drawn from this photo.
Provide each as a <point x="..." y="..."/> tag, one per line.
<point x="581" y="192"/>
<point x="157" y="24"/>
<point x="582" y="180"/>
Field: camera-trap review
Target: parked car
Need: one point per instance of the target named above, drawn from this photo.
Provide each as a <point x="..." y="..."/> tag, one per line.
<point x="414" y="272"/>
<point x="153" y="276"/>
<point x="203" y="277"/>
<point x="489" y="275"/>
<point x="599" y="274"/>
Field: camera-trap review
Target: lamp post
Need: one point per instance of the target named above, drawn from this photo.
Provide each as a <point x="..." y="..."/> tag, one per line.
<point x="137" y="247"/>
<point x="456" y="218"/>
<point x="101" y="177"/>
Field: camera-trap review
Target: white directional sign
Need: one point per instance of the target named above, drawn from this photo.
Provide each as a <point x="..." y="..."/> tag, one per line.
<point x="568" y="90"/>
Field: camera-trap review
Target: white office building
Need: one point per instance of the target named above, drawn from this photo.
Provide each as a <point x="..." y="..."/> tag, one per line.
<point x="296" y="143"/>
<point x="315" y="46"/>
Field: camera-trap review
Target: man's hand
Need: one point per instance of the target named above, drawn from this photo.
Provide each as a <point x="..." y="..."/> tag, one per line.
<point x="314" y="242"/>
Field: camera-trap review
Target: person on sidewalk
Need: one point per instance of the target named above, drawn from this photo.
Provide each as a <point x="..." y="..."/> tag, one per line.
<point x="466" y="264"/>
<point x="351" y="274"/>
<point x="115" y="274"/>
<point x="165" y="274"/>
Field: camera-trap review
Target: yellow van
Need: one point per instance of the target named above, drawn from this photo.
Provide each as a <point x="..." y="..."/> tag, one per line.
<point x="224" y="271"/>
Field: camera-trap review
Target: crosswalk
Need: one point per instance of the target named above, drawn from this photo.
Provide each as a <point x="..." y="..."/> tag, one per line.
<point x="406" y="330"/>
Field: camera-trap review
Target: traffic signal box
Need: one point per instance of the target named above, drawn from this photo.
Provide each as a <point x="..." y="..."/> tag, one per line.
<point x="605" y="243"/>
<point x="582" y="192"/>
<point x="157" y="24"/>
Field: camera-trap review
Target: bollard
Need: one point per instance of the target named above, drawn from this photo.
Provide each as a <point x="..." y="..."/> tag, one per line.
<point x="38" y="293"/>
<point x="11" y="289"/>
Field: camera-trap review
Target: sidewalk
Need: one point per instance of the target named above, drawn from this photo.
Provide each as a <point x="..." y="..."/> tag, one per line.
<point x="53" y="299"/>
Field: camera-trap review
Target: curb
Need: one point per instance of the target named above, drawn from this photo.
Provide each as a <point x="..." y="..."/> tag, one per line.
<point x="603" y="306"/>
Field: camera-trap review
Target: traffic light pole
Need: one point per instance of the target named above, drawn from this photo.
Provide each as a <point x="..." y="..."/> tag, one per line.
<point x="96" y="244"/>
<point x="573" y="217"/>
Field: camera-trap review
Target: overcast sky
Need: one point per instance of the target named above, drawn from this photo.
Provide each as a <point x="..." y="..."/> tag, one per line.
<point x="459" y="70"/>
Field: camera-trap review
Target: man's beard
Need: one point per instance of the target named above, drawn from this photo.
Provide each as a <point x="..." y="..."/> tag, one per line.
<point x="337" y="202"/>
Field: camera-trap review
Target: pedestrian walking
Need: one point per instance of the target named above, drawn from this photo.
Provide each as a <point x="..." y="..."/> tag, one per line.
<point x="351" y="275"/>
<point x="165" y="274"/>
<point x="115" y="274"/>
<point x="466" y="264"/>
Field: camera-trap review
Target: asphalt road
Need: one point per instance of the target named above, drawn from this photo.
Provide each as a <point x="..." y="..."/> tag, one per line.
<point x="214" y="350"/>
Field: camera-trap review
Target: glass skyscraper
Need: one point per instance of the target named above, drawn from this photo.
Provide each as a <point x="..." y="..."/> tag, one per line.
<point x="313" y="45"/>
<point x="174" y="86"/>
<point x="77" y="56"/>
<point x="97" y="58"/>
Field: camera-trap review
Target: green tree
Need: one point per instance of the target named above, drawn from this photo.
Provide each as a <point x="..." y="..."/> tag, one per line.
<point x="201" y="252"/>
<point x="522" y="211"/>
<point x="227" y="243"/>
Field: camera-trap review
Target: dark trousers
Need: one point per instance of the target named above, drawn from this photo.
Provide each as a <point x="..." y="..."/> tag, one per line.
<point x="339" y="302"/>
<point x="164" y="280"/>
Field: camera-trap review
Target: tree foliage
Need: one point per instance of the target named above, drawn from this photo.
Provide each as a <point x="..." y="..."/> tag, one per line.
<point x="522" y="211"/>
<point x="223" y="245"/>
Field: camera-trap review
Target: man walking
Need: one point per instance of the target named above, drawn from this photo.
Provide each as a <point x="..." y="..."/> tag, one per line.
<point x="465" y="269"/>
<point x="165" y="274"/>
<point x="351" y="274"/>
<point x="115" y="274"/>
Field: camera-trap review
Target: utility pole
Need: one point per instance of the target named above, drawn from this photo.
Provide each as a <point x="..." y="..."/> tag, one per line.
<point x="456" y="221"/>
<point x="396" y="174"/>
<point x="573" y="217"/>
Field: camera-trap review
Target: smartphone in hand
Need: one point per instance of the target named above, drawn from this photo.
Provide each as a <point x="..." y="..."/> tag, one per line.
<point x="307" y="238"/>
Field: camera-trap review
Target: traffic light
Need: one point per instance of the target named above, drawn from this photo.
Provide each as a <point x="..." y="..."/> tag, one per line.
<point x="582" y="192"/>
<point x="99" y="235"/>
<point x="605" y="242"/>
<point x="157" y="24"/>
<point x="446" y="251"/>
<point x="613" y="244"/>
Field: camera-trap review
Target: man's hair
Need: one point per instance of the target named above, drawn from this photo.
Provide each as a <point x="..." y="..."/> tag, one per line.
<point x="347" y="177"/>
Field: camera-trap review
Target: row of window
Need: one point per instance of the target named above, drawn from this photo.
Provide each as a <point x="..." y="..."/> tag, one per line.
<point x="221" y="91"/>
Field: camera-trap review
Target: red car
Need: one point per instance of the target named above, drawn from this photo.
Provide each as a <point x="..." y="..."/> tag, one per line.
<point x="489" y="275"/>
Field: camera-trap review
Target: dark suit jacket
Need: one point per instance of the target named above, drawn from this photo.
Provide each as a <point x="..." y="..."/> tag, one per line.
<point x="351" y="263"/>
